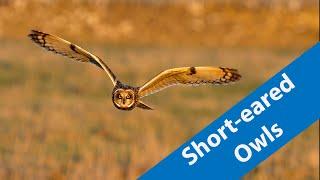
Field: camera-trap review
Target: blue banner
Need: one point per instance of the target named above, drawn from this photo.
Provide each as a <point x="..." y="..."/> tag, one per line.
<point x="253" y="129"/>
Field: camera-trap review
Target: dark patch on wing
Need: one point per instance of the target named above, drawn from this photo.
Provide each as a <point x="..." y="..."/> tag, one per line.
<point x="91" y="60"/>
<point x="73" y="48"/>
<point x="192" y="71"/>
<point x="95" y="62"/>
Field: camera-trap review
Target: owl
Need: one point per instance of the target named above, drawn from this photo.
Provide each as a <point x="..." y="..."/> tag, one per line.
<point x="126" y="97"/>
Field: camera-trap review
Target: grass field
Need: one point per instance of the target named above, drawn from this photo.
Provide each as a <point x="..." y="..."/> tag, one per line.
<point x="57" y="120"/>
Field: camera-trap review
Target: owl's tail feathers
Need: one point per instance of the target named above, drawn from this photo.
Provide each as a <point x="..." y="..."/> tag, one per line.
<point x="142" y="105"/>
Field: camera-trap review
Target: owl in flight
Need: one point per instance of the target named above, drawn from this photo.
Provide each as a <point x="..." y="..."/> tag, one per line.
<point x="126" y="97"/>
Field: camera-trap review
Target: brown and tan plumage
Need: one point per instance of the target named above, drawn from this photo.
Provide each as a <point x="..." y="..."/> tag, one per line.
<point x="127" y="97"/>
<point x="65" y="48"/>
<point x="189" y="76"/>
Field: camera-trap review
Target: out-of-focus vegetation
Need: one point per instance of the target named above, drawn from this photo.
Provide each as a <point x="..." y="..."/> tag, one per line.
<point x="258" y="23"/>
<point x="56" y="116"/>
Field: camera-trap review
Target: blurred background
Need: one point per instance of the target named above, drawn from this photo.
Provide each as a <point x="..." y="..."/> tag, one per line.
<point x="57" y="120"/>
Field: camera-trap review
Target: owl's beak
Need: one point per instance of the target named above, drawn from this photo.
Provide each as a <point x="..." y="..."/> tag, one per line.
<point x="123" y="100"/>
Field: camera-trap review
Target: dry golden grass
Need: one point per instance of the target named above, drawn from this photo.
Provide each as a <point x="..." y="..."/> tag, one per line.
<point x="196" y="23"/>
<point x="58" y="121"/>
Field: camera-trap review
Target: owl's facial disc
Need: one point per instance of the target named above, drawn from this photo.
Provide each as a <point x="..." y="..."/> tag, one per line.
<point x="124" y="98"/>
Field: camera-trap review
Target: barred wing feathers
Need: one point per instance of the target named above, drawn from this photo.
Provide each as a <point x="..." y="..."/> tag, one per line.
<point x="189" y="76"/>
<point x="65" y="48"/>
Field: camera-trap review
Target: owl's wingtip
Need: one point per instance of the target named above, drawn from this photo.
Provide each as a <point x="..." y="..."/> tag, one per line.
<point x="232" y="75"/>
<point x="34" y="32"/>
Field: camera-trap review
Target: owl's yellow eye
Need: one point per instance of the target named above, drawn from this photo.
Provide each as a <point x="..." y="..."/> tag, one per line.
<point x="119" y="96"/>
<point x="128" y="96"/>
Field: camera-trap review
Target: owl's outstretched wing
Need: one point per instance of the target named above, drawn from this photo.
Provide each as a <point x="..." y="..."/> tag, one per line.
<point x="65" y="48"/>
<point x="189" y="76"/>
